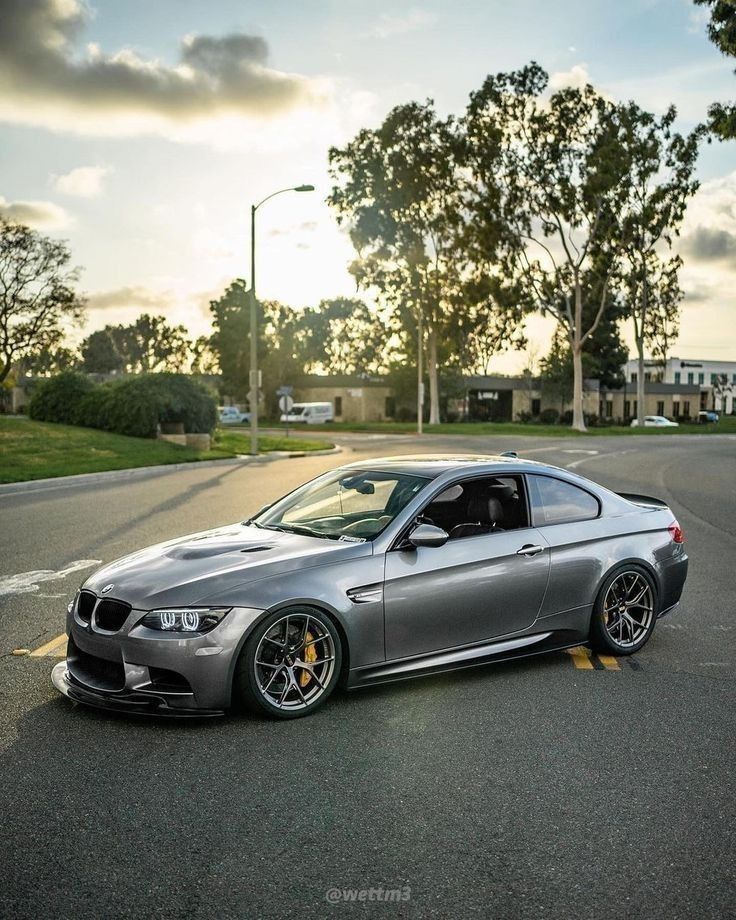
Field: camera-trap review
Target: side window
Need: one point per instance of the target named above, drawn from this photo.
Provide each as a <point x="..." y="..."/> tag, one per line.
<point x="474" y="507"/>
<point x="557" y="502"/>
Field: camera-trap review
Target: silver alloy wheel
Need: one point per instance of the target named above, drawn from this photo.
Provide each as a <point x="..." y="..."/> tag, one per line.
<point x="628" y="609"/>
<point x="295" y="661"/>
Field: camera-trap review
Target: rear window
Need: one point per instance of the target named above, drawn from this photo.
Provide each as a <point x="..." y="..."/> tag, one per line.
<point x="557" y="502"/>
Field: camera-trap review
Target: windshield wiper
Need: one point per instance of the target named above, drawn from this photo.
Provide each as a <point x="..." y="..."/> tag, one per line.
<point x="300" y="529"/>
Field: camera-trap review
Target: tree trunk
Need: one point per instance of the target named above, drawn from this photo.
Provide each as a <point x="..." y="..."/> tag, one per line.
<point x="578" y="419"/>
<point x="640" y="391"/>
<point x="434" y="389"/>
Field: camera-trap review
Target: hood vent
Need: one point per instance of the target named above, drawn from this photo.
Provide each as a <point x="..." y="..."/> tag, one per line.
<point x="208" y="550"/>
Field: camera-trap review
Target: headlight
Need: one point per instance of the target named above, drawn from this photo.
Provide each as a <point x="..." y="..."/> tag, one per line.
<point x="185" y="619"/>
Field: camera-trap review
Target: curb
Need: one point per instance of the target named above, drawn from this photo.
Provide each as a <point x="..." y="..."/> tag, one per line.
<point x="140" y="472"/>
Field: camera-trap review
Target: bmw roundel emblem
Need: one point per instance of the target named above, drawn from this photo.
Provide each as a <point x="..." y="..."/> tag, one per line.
<point x="107" y="588"/>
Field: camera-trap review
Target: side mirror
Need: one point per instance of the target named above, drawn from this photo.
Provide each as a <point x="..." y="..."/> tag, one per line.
<point x="428" y="535"/>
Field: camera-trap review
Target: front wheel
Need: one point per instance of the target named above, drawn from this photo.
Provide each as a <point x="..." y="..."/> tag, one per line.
<point x="624" y="613"/>
<point x="290" y="664"/>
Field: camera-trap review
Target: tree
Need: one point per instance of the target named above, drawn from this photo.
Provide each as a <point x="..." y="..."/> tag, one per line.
<point x="231" y="338"/>
<point x="605" y="352"/>
<point x="721" y="387"/>
<point x="402" y="191"/>
<point x="37" y="293"/>
<point x="52" y="359"/>
<point x="722" y="32"/>
<point x="663" y="314"/>
<point x="553" y="169"/>
<point x="204" y="356"/>
<point x="555" y="367"/>
<point x="345" y="336"/>
<point x="151" y="344"/>
<point x="99" y="354"/>
<point x="398" y="189"/>
<point x="281" y="343"/>
<point x="662" y="167"/>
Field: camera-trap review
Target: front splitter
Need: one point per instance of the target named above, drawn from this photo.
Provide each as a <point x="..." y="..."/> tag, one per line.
<point x="130" y="702"/>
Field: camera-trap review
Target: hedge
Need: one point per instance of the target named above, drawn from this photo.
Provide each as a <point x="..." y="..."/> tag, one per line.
<point x="133" y="406"/>
<point x="58" y="399"/>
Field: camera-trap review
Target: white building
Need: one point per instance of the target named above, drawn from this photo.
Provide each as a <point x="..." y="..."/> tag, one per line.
<point x="716" y="379"/>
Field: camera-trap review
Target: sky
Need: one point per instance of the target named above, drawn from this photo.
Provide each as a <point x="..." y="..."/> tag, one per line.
<point x="142" y="132"/>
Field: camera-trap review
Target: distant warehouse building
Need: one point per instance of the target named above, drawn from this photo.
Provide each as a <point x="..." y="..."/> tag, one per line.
<point x="472" y="398"/>
<point x="354" y="398"/>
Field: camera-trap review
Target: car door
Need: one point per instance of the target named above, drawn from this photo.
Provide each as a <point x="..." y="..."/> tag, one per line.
<point x="472" y="589"/>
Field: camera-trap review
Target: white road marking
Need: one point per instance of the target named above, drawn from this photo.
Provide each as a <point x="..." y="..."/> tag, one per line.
<point x="579" y="450"/>
<point x="615" y="453"/>
<point x="30" y="582"/>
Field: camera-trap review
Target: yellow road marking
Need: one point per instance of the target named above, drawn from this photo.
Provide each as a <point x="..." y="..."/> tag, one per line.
<point x="581" y="658"/>
<point x="608" y="661"/>
<point x="56" y="647"/>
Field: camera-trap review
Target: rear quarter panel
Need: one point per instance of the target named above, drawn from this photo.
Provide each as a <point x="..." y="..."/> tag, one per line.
<point x="584" y="552"/>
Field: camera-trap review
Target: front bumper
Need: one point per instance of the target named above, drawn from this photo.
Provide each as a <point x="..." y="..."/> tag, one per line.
<point x="127" y="701"/>
<point x="144" y="671"/>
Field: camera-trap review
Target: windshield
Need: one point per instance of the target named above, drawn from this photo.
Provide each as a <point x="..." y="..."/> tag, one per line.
<point x="350" y="506"/>
<point x="296" y="410"/>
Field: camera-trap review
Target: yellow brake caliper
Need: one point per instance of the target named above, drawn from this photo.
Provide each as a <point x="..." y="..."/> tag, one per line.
<point x="310" y="655"/>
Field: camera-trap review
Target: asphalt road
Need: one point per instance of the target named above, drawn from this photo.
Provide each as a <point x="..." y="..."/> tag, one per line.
<point x="527" y="790"/>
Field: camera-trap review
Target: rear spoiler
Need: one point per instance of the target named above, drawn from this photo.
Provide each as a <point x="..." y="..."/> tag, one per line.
<point x="645" y="500"/>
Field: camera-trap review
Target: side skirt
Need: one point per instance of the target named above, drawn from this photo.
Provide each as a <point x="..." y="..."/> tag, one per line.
<point x="473" y="656"/>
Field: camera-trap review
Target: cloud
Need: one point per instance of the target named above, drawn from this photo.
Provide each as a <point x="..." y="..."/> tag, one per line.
<point x="577" y="77"/>
<point x="44" y="81"/>
<point x="83" y="182"/>
<point x="411" y="21"/>
<point x="38" y="214"/>
<point x="132" y="297"/>
<point x="708" y="244"/>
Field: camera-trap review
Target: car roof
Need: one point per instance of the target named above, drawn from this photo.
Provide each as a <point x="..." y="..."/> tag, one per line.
<point x="434" y="466"/>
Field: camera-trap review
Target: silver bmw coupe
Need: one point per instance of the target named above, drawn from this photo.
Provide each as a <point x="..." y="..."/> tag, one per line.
<point x="373" y="572"/>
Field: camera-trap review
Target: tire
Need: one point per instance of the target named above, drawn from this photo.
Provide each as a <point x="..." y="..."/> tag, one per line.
<point x="289" y="679"/>
<point x="625" y="611"/>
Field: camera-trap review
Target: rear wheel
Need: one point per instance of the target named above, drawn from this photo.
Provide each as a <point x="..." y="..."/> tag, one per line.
<point x="290" y="664"/>
<point x="625" y="612"/>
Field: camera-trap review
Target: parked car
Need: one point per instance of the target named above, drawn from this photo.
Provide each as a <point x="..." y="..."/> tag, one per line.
<point x="373" y="572"/>
<point x="230" y="415"/>
<point x="314" y="413"/>
<point x="707" y="415"/>
<point x="655" y="421"/>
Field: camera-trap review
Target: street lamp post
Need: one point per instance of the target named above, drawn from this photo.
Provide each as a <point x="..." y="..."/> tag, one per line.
<point x="254" y="381"/>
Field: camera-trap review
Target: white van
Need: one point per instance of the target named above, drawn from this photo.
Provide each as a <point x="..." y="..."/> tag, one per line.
<point x="309" y="413"/>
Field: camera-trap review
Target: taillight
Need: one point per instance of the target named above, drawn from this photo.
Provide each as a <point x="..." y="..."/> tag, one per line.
<point x="676" y="532"/>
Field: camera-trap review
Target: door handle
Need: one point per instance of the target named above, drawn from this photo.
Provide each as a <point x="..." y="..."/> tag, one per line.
<point x="529" y="549"/>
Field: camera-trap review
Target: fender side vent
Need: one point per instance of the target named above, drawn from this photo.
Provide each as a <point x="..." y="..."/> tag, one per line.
<point x="366" y="594"/>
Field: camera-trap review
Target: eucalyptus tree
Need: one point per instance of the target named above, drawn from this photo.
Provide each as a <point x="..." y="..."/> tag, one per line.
<point x="663" y="316"/>
<point x="345" y="336"/>
<point x="549" y="171"/>
<point x="402" y="190"/>
<point x="722" y="32"/>
<point x="662" y="169"/>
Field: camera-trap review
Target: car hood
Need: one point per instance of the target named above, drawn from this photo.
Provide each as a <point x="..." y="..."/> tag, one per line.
<point x="192" y="568"/>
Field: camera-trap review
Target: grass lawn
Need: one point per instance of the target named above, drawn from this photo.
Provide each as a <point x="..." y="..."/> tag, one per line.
<point x="37" y="450"/>
<point x="727" y="425"/>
